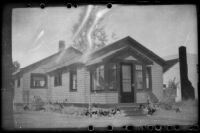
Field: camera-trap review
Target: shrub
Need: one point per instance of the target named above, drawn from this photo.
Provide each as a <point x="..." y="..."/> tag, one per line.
<point x="169" y="94"/>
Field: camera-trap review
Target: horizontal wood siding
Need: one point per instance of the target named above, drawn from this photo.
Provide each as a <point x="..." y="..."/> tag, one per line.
<point x="141" y="97"/>
<point x="60" y="93"/>
<point x="18" y="92"/>
<point x="42" y="92"/>
<point x="157" y="80"/>
<point x="104" y="97"/>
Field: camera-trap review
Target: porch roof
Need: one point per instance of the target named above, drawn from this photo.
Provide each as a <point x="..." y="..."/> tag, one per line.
<point x="169" y="64"/>
<point x="72" y="56"/>
<point x="116" y="54"/>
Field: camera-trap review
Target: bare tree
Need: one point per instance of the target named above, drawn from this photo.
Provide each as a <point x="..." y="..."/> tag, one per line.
<point x="15" y="66"/>
<point x="99" y="37"/>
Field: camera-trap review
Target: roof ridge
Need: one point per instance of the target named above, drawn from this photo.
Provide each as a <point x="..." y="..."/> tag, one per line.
<point x="135" y="44"/>
<point x="44" y="59"/>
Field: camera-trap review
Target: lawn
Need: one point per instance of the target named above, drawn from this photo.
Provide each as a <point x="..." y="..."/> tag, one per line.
<point x="40" y="119"/>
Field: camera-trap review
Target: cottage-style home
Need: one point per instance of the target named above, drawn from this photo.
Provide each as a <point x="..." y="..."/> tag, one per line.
<point x="122" y="72"/>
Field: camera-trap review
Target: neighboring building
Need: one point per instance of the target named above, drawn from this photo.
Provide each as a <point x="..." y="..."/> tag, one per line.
<point x="122" y="72"/>
<point x="172" y="70"/>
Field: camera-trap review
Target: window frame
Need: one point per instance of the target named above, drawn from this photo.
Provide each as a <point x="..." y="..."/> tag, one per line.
<point x="72" y="72"/>
<point x="18" y="82"/>
<point x="58" y="76"/>
<point x="143" y="77"/>
<point x="148" y="70"/>
<point x="106" y="73"/>
<point x="145" y="69"/>
<point x="92" y="72"/>
<point x="38" y="75"/>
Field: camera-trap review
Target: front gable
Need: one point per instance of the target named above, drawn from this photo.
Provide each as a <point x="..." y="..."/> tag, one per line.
<point x="126" y="53"/>
<point x="137" y="50"/>
<point x="130" y="58"/>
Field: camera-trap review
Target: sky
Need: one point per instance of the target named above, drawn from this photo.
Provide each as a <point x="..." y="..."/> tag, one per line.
<point x="162" y="29"/>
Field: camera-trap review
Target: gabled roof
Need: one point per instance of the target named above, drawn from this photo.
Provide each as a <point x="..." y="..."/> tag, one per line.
<point x="171" y="60"/>
<point x="169" y="64"/>
<point x="72" y="56"/>
<point x="64" y="55"/>
<point x="125" y="42"/>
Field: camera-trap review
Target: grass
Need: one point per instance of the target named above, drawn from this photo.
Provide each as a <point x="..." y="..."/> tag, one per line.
<point x="41" y="119"/>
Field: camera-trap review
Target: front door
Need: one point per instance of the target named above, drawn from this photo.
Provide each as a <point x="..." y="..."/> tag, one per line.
<point x="127" y="85"/>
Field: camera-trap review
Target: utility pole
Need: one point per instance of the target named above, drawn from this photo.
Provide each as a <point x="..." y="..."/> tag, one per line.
<point x="7" y="90"/>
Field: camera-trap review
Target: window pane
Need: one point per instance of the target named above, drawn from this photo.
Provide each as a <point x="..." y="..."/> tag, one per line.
<point x="98" y="78"/>
<point x="112" y="76"/>
<point x="74" y="81"/>
<point x="147" y="79"/>
<point x="138" y="67"/>
<point x="148" y="71"/>
<point x="58" y="79"/>
<point x="126" y="78"/>
<point x="38" y="80"/>
<point x="139" y="79"/>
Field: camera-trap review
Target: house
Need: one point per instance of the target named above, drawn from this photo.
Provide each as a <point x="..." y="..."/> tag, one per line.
<point x="172" y="70"/>
<point x="122" y="72"/>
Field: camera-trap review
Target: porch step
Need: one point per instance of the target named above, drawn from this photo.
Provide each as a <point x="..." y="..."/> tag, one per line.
<point x="131" y="109"/>
<point x="134" y="113"/>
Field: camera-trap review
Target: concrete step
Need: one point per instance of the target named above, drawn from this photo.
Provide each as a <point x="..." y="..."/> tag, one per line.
<point x="128" y="105"/>
<point x="131" y="109"/>
<point x="134" y="112"/>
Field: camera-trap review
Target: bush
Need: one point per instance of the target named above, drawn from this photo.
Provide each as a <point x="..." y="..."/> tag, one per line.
<point x="169" y="94"/>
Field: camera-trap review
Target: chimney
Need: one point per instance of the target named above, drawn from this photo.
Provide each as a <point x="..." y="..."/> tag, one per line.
<point x="61" y="45"/>
<point x="187" y="89"/>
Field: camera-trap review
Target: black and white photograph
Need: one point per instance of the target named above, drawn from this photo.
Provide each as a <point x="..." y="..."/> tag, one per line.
<point x="111" y="66"/>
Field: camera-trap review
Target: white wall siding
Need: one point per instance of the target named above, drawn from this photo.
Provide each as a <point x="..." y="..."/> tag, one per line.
<point x="173" y="72"/>
<point x="42" y="92"/>
<point x="192" y="62"/>
<point x="104" y="97"/>
<point x="141" y="97"/>
<point x="157" y="80"/>
<point x="18" y="92"/>
<point x="60" y="93"/>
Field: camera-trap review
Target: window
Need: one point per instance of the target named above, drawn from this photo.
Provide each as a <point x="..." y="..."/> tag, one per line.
<point x="18" y="82"/>
<point x="112" y="76"/>
<point x="139" y="76"/>
<point x="148" y="77"/>
<point x="97" y="78"/>
<point x="38" y="80"/>
<point x="73" y="80"/>
<point x="58" y="79"/>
